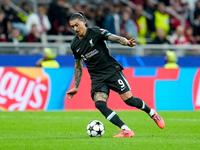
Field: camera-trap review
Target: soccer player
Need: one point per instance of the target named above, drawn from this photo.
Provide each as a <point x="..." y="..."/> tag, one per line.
<point x="106" y="73"/>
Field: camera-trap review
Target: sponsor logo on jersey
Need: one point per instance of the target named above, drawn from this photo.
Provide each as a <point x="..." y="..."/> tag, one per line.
<point x="23" y="89"/>
<point x="90" y="54"/>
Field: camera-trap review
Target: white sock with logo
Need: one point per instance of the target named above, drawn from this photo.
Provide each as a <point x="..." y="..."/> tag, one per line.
<point x="125" y="127"/>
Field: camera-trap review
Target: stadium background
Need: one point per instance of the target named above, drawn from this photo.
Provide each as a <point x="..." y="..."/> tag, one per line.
<point x="24" y="87"/>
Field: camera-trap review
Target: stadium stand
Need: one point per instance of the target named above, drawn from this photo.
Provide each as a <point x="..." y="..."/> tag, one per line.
<point x="60" y="34"/>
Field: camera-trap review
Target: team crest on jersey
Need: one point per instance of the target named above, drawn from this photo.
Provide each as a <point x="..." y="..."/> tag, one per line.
<point x="91" y="43"/>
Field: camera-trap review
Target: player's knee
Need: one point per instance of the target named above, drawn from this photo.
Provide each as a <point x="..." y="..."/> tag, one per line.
<point x="100" y="96"/>
<point x="100" y="104"/>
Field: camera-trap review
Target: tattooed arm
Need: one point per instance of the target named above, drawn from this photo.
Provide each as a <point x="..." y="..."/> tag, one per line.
<point x="122" y="40"/>
<point x="78" y="75"/>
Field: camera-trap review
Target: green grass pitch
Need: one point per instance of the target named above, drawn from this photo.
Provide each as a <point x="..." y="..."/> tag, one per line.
<point x="66" y="130"/>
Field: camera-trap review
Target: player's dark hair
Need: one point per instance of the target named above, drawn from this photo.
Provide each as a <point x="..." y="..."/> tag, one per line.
<point x="78" y="15"/>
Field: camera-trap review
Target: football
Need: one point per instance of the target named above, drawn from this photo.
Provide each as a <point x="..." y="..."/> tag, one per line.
<point x="95" y="128"/>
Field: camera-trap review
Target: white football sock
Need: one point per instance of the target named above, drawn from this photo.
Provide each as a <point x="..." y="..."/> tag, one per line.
<point x="152" y="113"/>
<point x="125" y="127"/>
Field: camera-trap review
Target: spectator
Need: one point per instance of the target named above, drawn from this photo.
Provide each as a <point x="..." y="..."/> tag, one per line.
<point x="160" y="37"/>
<point x="112" y="21"/>
<point x="15" y="36"/>
<point x="57" y="23"/>
<point x="176" y="22"/>
<point x="189" y="35"/>
<point x="142" y="24"/>
<point x="178" y="37"/>
<point x="150" y="9"/>
<point x="77" y="6"/>
<point x="187" y="11"/>
<point x="9" y="12"/>
<point x="34" y="35"/>
<point x="128" y="27"/>
<point x="128" y="9"/>
<point x="12" y="17"/>
<point x="25" y="8"/>
<point x="99" y="18"/>
<point x="196" y="28"/>
<point x="166" y="2"/>
<point x="197" y="9"/>
<point x="175" y="5"/>
<point x="171" y="60"/>
<point x="68" y="12"/>
<point x="90" y="15"/>
<point x="3" y="27"/>
<point x="162" y="19"/>
<point x="48" y="60"/>
<point x="39" y="19"/>
<point x="84" y="6"/>
<point x="185" y="8"/>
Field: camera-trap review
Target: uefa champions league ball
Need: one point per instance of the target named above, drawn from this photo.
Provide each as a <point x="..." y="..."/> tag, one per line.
<point x="95" y="128"/>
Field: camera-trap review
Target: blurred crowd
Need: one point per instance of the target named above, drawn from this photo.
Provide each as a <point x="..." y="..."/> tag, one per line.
<point x="146" y="20"/>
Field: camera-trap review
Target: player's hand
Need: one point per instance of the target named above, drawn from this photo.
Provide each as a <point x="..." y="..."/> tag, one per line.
<point x="71" y="93"/>
<point x="131" y="42"/>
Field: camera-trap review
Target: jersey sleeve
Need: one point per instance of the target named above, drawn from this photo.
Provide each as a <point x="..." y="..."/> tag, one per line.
<point x="102" y="33"/>
<point x="76" y="55"/>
